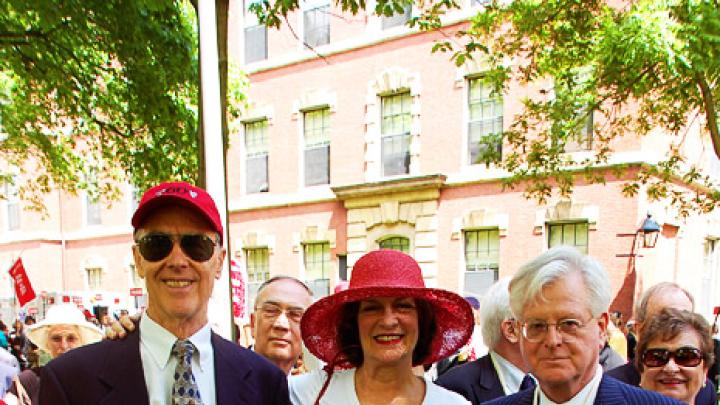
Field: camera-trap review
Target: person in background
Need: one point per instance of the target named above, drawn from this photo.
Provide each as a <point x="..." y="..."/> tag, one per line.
<point x="474" y="349"/>
<point x="560" y="300"/>
<point x="279" y="306"/>
<point x="674" y="353"/>
<point x="174" y="355"/>
<point x="631" y="338"/>
<point x="714" y="372"/>
<point x="4" y="336"/>
<point x="655" y="299"/>
<point x="372" y="334"/>
<point x="63" y="329"/>
<point x="503" y="371"/>
<point x="609" y="358"/>
<point x="616" y="339"/>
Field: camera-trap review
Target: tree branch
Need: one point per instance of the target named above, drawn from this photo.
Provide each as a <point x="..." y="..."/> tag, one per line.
<point x="710" y="112"/>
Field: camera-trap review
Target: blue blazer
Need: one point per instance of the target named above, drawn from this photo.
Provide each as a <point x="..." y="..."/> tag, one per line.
<point x="628" y="374"/>
<point x="111" y="373"/>
<point x="610" y="392"/>
<point x="477" y="381"/>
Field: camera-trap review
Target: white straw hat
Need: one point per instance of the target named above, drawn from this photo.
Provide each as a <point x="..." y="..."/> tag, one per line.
<point x="63" y="314"/>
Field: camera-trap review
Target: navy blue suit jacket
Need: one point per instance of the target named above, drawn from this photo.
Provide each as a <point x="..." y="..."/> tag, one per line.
<point x="477" y="381"/>
<point x="628" y="374"/>
<point x="610" y="392"/>
<point x="111" y="373"/>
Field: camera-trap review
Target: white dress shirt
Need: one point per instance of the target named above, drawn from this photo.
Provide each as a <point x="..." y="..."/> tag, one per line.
<point x="156" y="345"/>
<point x="510" y="376"/>
<point x="586" y="396"/>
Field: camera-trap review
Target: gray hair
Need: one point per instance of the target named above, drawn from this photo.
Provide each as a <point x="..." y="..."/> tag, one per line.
<point x="641" y="306"/>
<point x="528" y="282"/>
<point x="494" y="309"/>
<point x="280" y="278"/>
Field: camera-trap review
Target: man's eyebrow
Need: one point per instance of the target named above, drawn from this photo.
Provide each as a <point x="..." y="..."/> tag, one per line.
<point x="281" y="303"/>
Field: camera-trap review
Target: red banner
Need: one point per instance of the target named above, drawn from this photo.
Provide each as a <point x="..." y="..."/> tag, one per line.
<point x="23" y="288"/>
<point x="237" y="286"/>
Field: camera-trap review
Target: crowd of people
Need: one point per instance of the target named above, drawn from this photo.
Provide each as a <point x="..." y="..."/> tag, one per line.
<point x="548" y="336"/>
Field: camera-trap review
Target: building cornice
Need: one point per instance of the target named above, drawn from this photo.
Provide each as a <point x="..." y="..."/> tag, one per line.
<point x="406" y="189"/>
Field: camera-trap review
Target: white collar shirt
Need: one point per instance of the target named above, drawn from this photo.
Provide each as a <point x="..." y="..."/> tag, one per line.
<point x="510" y="376"/>
<point x="156" y="345"/>
<point x="586" y="396"/>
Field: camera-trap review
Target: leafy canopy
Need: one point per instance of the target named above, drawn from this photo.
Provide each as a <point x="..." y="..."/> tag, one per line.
<point x="93" y="92"/>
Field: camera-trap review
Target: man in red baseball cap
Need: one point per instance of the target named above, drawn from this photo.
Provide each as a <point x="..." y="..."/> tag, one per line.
<point x="179" y="252"/>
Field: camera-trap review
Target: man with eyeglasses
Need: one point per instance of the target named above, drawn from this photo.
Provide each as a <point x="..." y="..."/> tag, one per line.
<point x="174" y="358"/>
<point x="653" y="301"/>
<point x="503" y="370"/>
<point x="560" y="301"/>
<point x="275" y="323"/>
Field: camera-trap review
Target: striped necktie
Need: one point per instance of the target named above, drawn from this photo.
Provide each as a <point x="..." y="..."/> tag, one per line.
<point x="185" y="390"/>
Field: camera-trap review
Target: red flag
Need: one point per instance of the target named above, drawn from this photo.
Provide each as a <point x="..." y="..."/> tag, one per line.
<point x="23" y="288"/>
<point x="237" y="286"/>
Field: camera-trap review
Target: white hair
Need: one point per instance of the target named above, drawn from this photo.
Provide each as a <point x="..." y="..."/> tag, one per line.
<point x="494" y="309"/>
<point x="528" y="282"/>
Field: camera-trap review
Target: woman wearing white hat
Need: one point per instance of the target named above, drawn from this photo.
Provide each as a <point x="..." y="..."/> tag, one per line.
<point x="64" y="328"/>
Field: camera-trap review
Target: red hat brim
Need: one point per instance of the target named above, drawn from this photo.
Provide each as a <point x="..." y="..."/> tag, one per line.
<point x="453" y="316"/>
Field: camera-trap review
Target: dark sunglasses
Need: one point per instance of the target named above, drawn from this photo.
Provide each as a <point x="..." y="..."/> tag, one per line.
<point x="157" y="246"/>
<point x="684" y="356"/>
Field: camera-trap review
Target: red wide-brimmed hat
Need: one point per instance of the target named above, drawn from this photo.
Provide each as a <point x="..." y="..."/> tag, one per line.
<point x="387" y="273"/>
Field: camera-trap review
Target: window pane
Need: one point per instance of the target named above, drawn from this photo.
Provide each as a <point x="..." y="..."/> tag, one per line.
<point x="572" y="234"/>
<point x="482" y="249"/>
<point x="255" y="43"/>
<point x="317" y="26"/>
<point x="396" y="122"/>
<point x="94" y="277"/>
<point x="256" y="157"/>
<point x="94" y="209"/>
<point x="485" y="117"/>
<point x="397" y="19"/>
<point x="396" y="243"/>
<point x="317" y="166"/>
<point x="257" y="264"/>
<point x="317" y="261"/>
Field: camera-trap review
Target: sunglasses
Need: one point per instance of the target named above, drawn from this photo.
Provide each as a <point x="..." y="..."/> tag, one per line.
<point x="157" y="246"/>
<point x="684" y="356"/>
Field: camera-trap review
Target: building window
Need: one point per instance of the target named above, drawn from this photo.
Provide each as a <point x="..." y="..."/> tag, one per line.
<point x="572" y="234"/>
<point x="255" y="36"/>
<point x="583" y="139"/>
<point x="400" y="243"/>
<point x="395" y="128"/>
<point x="93" y="210"/>
<point x="258" y="270"/>
<point x="317" y="23"/>
<point x="256" y="156"/>
<point x="94" y="278"/>
<point x="12" y="204"/>
<point x="485" y="122"/>
<point x="482" y="253"/>
<point x="397" y="19"/>
<point x="317" y="267"/>
<point x="316" y="132"/>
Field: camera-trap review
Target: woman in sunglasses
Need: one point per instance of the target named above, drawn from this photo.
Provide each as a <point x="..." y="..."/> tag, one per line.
<point x="675" y="351"/>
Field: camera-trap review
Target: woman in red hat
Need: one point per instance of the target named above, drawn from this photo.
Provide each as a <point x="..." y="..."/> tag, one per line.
<point x="373" y="333"/>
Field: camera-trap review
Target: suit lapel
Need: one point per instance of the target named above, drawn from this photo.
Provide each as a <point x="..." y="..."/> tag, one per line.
<point x="122" y="373"/>
<point x="488" y="385"/>
<point x="609" y="393"/>
<point x="231" y="374"/>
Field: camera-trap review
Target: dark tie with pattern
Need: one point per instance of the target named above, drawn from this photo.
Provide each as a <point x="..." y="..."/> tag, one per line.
<point x="185" y="389"/>
<point x="527" y="382"/>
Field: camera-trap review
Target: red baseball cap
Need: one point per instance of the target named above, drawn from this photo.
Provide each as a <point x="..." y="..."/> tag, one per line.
<point x="178" y="193"/>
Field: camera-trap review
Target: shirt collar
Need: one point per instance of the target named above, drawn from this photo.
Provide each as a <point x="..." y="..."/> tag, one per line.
<point x="586" y="396"/>
<point x="159" y="342"/>
<point x="510" y="376"/>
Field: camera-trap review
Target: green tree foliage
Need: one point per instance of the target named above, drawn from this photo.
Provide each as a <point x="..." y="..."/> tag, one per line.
<point x="636" y="66"/>
<point x="96" y="91"/>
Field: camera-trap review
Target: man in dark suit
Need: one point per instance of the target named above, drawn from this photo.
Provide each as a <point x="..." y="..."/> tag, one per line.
<point x="657" y="297"/>
<point x="503" y="370"/>
<point x="174" y="358"/>
<point x="560" y="300"/>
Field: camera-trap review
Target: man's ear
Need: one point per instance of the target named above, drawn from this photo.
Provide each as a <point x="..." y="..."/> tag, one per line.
<point x="602" y="321"/>
<point x="252" y="325"/>
<point x="510" y="331"/>
<point x="220" y="261"/>
<point x="138" y="260"/>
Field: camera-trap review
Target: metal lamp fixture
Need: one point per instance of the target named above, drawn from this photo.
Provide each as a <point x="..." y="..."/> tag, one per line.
<point x="650" y="230"/>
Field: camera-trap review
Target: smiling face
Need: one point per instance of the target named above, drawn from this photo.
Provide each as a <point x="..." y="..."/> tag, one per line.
<point x="178" y="287"/>
<point x="277" y="337"/>
<point x="388" y="329"/>
<point x="673" y="380"/>
<point x="563" y="366"/>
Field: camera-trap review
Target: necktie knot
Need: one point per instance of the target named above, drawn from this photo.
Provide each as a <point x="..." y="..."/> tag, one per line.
<point x="183" y="349"/>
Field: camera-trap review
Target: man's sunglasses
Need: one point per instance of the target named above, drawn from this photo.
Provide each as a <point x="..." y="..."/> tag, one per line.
<point x="157" y="246"/>
<point x="684" y="356"/>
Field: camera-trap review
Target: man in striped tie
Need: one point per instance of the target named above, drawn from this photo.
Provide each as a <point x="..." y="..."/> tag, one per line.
<point x="173" y="358"/>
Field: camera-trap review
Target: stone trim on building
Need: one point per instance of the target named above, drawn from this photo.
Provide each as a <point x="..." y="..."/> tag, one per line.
<point x="566" y="210"/>
<point x="482" y="218"/>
